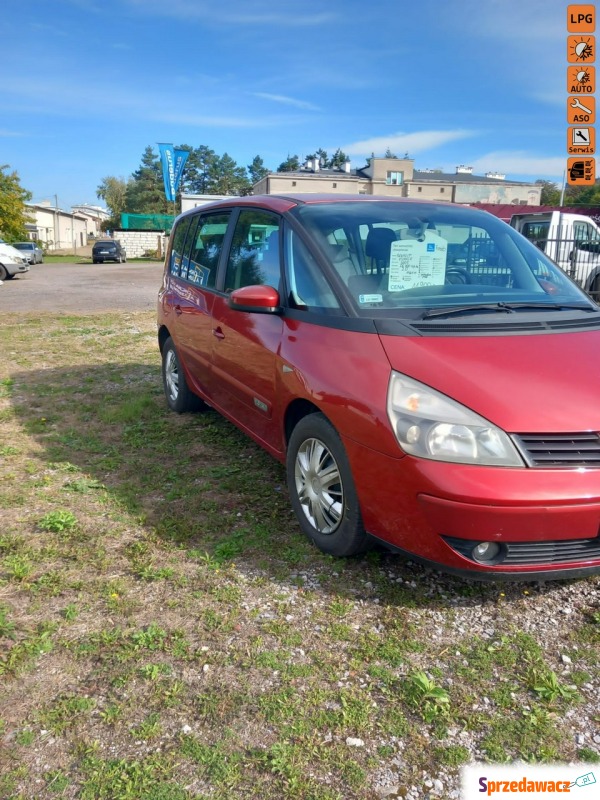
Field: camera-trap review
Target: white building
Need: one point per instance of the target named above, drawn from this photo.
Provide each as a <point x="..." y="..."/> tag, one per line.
<point x="95" y="215"/>
<point x="56" y="229"/>
<point x="194" y="200"/>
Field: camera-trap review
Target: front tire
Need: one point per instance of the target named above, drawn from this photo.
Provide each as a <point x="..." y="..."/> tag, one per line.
<point x="179" y="397"/>
<point x="3" y="273"/>
<point x="322" y="489"/>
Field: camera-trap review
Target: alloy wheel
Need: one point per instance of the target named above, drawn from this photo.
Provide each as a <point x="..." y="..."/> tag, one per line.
<point x="319" y="486"/>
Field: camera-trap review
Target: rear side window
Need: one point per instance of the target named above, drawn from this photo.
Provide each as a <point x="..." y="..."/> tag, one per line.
<point x="178" y="245"/>
<point x="203" y="247"/>
<point x="197" y="245"/>
<point x="254" y="255"/>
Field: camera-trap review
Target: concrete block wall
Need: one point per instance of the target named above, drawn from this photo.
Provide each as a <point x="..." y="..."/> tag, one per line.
<point x="138" y="243"/>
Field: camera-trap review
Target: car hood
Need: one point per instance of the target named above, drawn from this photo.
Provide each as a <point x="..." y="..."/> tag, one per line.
<point x="11" y="253"/>
<point x="525" y="384"/>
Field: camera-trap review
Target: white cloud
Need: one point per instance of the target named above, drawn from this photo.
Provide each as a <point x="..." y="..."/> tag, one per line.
<point x="400" y="143"/>
<point x="288" y="101"/>
<point x="528" y="22"/>
<point x="236" y="12"/>
<point x="60" y="95"/>
<point x="520" y="162"/>
<point x="212" y="121"/>
<point x="7" y="133"/>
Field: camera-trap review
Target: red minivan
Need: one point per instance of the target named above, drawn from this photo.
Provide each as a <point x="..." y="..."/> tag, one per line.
<point x="428" y="376"/>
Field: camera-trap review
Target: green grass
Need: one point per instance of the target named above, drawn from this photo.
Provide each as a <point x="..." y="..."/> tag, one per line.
<point x="163" y="619"/>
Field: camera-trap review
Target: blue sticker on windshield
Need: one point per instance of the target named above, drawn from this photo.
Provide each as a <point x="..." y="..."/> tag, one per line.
<point x="430" y="247"/>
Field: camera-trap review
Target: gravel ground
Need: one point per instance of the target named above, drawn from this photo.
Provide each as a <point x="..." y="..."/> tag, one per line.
<point x="83" y="288"/>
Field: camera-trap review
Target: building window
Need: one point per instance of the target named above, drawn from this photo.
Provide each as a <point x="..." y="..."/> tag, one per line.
<point x="394" y="178"/>
<point x="419" y="188"/>
<point x="442" y="190"/>
<point x="293" y="183"/>
<point x="334" y="185"/>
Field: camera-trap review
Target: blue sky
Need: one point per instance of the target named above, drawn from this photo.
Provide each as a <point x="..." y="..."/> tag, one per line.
<point x="86" y="85"/>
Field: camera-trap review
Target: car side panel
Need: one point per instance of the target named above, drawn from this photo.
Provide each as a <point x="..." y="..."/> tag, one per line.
<point x="245" y="357"/>
<point x="345" y="374"/>
<point x="190" y="326"/>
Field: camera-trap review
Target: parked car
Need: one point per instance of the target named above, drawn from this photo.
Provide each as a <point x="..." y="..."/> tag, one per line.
<point x="11" y="262"/>
<point x="31" y="251"/>
<point x="108" y="250"/>
<point x="424" y="371"/>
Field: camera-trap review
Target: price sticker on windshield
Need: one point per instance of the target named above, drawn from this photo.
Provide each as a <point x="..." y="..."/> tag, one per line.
<point x="418" y="262"/>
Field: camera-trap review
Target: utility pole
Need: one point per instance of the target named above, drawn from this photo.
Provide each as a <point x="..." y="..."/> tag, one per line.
<point x="56" y="222"/>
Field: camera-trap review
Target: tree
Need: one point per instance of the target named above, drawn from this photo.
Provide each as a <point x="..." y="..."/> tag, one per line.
<point x="582" y="195"/>
<point x="388" y="154"/>
<point x="257" y="170"/>
<point x="550" y="195"/>
<point x="200" y="174"/>
<point x="291" y="164"/>
<point x="13" y="212"/>
<point x="338" y="159"/>
<point x="114" y="193"/>
<point x="232" y="179"/>
<point x="145" y="192"/>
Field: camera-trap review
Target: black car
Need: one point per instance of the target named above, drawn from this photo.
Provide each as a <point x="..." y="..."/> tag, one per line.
<point x="108" y="250"/>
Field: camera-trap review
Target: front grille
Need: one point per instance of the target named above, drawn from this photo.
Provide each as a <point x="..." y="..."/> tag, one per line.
<point x="523" y="554"/>
<point x="559" y="449"/>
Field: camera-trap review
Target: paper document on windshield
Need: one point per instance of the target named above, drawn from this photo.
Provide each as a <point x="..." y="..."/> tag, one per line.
<point x="418" y="262"/>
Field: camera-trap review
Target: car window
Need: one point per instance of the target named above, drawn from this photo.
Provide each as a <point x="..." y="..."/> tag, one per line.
<point x="399" y="256"/>
<point x="309" y="289"/>
<point x="254" y="255"/>
<point x="179" y="237"/>
<point x="197" y="244"/>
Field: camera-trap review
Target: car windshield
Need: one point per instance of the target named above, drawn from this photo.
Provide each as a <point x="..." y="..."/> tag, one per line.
<point x="23" y="246"/>
<point x="406" y="259"/>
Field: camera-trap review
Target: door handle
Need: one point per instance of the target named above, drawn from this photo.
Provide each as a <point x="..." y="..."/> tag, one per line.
<point x="218" y="333"/>
<point x="178" y="309"/>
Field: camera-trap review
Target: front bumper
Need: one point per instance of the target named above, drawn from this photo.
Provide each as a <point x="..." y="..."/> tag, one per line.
<point x="433" y="511"/>
<point x="16" y="269"/>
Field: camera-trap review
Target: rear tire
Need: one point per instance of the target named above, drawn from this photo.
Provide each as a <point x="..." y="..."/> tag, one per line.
<point x="179" y="396"/>
<point x="322" y="489"/>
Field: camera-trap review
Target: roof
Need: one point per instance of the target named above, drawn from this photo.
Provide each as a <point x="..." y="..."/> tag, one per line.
<point x="461" y="177"/>
<point x="311" y="173"/>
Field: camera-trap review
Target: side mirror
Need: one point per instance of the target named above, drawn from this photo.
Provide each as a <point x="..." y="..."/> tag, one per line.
<point x="589" y="246"/>
<point x="256" y="299"/>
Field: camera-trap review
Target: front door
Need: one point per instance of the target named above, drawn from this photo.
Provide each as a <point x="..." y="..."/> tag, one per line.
<point x="245" y="346"/>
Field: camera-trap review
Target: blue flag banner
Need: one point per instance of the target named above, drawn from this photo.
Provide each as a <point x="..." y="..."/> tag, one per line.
<point x="181" y="156"/>
<point x="173" y="161"/>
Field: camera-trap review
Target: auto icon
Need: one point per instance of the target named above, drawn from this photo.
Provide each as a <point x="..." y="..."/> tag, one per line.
<point x="577" y="170"/>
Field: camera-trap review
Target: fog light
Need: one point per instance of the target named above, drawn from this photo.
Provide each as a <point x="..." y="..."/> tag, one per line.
<point x="413" y="434"/>
<point x="485" y="552"/>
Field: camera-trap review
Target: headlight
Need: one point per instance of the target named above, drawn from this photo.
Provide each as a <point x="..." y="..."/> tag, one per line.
<point x="430" y="425"/>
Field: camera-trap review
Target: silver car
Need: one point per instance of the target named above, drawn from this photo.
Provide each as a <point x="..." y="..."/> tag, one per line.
<point x="31" y="252"/>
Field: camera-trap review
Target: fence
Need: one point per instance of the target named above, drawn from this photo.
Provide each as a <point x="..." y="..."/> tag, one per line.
<point x="574" y="247"/>
<point x="478" y="260"/>
<point x="147" y="222"/>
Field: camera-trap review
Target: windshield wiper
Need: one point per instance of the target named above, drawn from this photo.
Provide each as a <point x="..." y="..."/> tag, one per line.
<point x="507" y="308"/>
<point x="442" y="312"/>
<point x="553" y="306"/>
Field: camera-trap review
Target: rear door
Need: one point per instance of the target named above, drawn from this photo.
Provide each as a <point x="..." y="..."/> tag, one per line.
<point x="194" y="262"/>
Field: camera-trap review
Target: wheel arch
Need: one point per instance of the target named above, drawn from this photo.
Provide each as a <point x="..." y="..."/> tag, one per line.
<point x="297" y="410"/>
<point x="163" y="335"/>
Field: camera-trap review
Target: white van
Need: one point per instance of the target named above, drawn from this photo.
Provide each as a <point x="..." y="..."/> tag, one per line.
<point x="571" y="240"/>
<point x="11" y="262"/>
